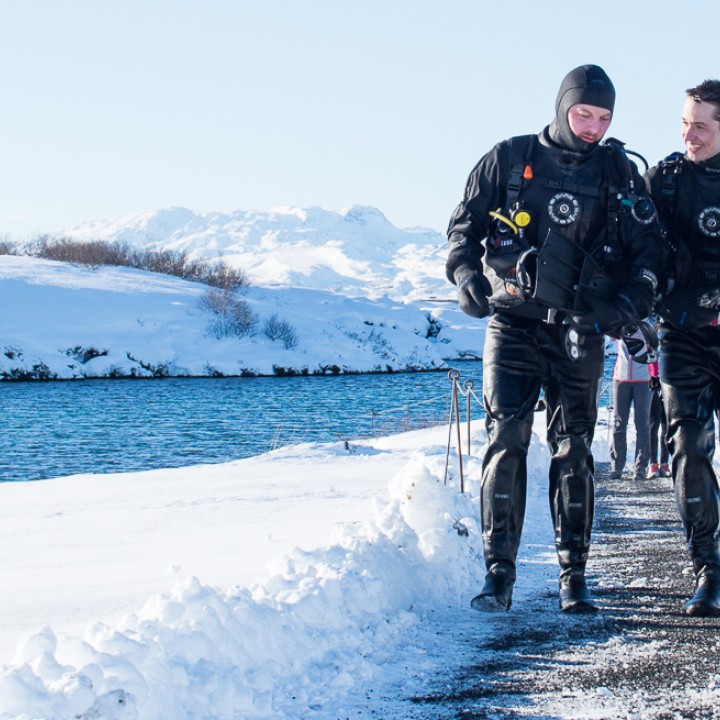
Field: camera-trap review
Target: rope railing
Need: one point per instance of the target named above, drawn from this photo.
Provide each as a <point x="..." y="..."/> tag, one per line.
<point x="454" y="417"/>
<point x="298" y="431"/>
<point x="457" y="390"/>
<point x="406" y="408"/>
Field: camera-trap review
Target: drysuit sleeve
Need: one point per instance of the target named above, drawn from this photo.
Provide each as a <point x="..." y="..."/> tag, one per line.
<point x="647" y="248"/>
<point x="470" y="220"/>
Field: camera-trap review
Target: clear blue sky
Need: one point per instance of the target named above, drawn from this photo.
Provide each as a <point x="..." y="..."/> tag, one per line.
<point x="115" y="108"/>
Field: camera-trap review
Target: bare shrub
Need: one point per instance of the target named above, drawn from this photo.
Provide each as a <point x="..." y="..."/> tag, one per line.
<point x="216" y="274"/>
<point x="39" y="371"/>
<point x="223" y="276"/>
<point x="12" y="353"/>
<point x="7" y="247"/>
<point x="161" y="369"/>
<point x="92" y="253"/>
<point x="95" y="253"/>
<point x="83" y="355"/>
<point x="232" y="314"/>
<point x="215" y="301"/>
<point x="166" y="262"/>
<point x="276" y="329"/>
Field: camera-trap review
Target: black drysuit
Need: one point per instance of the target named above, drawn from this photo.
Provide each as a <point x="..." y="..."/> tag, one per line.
<point x="571" y="201"/>
<point x="690" y="343"/>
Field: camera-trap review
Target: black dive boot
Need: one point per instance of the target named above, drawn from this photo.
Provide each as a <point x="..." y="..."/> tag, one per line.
<point x="496" y="594"/>
<point x="574" y="594"/>
<point x="706" y="600"/>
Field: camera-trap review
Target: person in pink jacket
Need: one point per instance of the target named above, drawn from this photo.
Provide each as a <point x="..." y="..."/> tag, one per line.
<point x="630" y="389"/>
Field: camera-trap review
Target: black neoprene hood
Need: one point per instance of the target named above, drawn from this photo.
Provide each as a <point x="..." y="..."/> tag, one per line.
<point x="589" y="85"/>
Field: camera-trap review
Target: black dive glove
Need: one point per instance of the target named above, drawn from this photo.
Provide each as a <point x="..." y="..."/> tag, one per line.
<point x="473" y="291"/>
<point x="634" y="302"/>
<point x="638" y="297"/>
<point x="603" y="317"/>
<point x="690" y="309"/>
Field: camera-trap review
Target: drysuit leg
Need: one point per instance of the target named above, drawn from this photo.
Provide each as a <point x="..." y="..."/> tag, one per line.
<point x="572" y="393"/>
<point x="689" y="373"/>
<point x="511" y="387"/>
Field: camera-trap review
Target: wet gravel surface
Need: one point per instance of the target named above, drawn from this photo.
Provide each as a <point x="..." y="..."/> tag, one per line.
<point x="640" y="658"/>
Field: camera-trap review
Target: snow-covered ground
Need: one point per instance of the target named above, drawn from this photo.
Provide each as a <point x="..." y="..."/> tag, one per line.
<point x="279" y="586"/>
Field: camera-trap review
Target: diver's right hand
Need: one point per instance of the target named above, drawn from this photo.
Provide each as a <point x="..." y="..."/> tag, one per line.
<point x="473" y="291"/>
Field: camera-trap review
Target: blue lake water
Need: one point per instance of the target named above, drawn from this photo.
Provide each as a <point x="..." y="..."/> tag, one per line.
<point x="101" y="426"/>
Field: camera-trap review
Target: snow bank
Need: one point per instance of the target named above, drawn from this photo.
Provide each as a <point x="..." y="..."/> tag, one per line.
<point x="321" y="622"/>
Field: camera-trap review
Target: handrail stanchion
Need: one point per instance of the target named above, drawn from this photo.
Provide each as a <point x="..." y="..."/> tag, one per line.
<point x="453" y="376"/>
<point x="469" y="384"/>
<point x="459" y="441"/>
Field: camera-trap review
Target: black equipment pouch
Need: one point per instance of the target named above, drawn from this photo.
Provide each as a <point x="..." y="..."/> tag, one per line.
<point x="594" y="283"/>
<point x="551" y="277"/>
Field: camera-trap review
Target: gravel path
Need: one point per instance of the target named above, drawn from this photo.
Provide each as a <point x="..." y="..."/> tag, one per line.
<point x="640" y="658"/>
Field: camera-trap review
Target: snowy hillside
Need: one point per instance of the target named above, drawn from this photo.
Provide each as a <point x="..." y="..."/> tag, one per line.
<point x="353" y="252"/>
<point x="66" y="321"/>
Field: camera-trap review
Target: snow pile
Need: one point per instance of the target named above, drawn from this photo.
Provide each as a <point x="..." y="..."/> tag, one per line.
<point x="321" y="622"/>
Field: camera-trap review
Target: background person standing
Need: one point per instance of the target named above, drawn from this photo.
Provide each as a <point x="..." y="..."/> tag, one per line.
<point x="630" y="389"/>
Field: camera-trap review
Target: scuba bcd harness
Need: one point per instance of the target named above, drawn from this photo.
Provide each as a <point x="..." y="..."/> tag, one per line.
<point x="582" y="270"/>
<point x="555" y="273"/>
<point x="700" y="272"/>
<point x="671" y="168"/>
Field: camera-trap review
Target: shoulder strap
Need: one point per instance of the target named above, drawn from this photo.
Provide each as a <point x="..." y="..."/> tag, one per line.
<point x="621" y="175"/>
<point x="670" y="167"/>
<point x="521" y="152"/>
<point x="619" y="183"/>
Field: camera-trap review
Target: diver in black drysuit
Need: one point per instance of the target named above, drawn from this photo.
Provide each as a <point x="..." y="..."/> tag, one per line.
<point x="567" y="187"/>
<point x="690" y="355"/>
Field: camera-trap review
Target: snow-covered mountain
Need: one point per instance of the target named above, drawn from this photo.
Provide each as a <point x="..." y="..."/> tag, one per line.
<point x="352" y="252"/>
